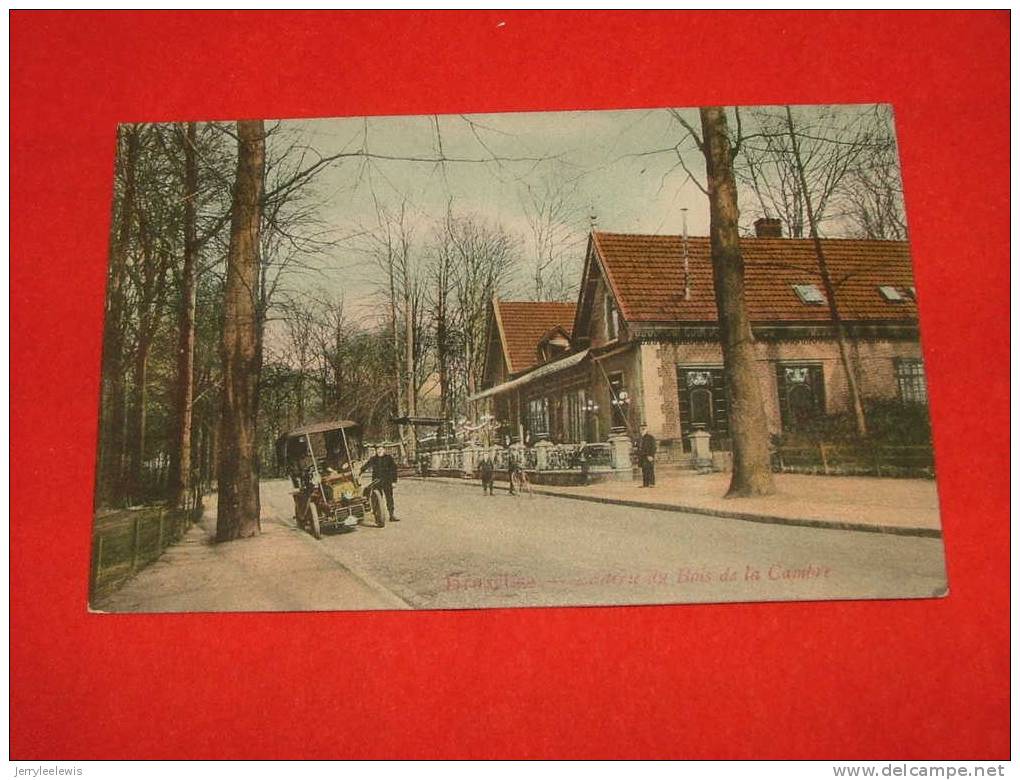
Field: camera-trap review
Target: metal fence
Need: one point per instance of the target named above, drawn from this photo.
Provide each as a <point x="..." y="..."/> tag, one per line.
<point x="553" y="458"/>
<point x="125" y="541"/>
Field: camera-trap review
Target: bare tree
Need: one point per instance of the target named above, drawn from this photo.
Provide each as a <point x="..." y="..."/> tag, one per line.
<point x="556" y="222"/>
<point x="238" y="506"/>
<point x="485" y="257"/>
<point x="301" y="335"/>
<point x="441" y="272"/>
<point x="112" y="438"/>
<point x="800" y="168"/>
<point x="158" y="243"/>
<point x="180" y="460"/>
<point x="834" y="165"/>
<point x="833" y="142"/>
<point x="752" y="468"/>
<point x="391" y="246"/>
<point x="872" y="201"/>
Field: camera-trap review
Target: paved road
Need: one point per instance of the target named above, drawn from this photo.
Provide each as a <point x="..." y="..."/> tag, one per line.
<point x="455" y="548"/>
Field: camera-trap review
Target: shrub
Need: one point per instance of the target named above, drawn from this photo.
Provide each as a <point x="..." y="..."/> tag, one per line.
<point x="889" y="423"/>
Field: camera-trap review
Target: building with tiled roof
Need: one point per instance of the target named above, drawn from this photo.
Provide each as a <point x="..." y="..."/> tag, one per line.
<point x="644" y="341"/>
<point x="517" y="327"/>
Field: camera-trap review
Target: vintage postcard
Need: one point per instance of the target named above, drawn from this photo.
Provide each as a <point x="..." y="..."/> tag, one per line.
<point x="654" y="356"/>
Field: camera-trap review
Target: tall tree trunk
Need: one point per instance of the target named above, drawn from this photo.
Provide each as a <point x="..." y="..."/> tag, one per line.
<point x="411" y="394"/>
<point x="237" y="514"/>
<point x="300" y="393"/>
<point x="397" y="384"/>
<point x="112" y="439"/>
<point x="830" y="291"/>
<point x="752" y="469"/>
<point x="337" y="365"/>
<point x="180" y="463"/>
<point x="136" y="433"/>
<point x="442" y="355"/>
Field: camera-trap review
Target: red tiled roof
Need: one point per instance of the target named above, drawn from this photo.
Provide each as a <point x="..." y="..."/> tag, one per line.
<point x="524" y="323"/>
<point x="647" y="275"/>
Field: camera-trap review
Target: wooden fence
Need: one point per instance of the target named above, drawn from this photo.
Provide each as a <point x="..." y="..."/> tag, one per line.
<point x="879" y="460"/>
<point x="124" y="541"/>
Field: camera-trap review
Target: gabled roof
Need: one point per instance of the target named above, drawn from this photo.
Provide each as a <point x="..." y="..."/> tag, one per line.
<point x="646" y="275"/>
<point x="522" y="324"/>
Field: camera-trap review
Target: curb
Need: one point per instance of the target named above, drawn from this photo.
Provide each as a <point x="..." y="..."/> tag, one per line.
<point x="395" y="601"/>
<point x="805" y="522"/>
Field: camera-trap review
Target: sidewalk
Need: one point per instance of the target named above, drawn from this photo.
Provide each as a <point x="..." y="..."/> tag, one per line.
<point x="895" y="506"/>
<point x="281" y="569"/>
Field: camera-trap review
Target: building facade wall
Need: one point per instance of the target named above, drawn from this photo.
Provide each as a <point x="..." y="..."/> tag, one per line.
<point x="628" y="364"/>
<point x="599" y="326"/>
<point x="874" y="362"/>
<point x="650" y="377"/>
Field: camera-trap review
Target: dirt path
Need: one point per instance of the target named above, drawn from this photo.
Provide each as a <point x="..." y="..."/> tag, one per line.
<point x="283" y="569"/>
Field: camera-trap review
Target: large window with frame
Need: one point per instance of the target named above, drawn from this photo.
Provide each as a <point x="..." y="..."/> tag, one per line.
<point x="704" y="402"/>
<point x="801" y="394"/>
<point x="574" y="414"/>
<point x="910" y="380"/>
<point x="538" y="418"/>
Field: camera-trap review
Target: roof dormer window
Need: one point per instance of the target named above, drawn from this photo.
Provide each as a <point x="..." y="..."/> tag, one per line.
<point x="809" y="294"/>
<point x="891" y="294"/>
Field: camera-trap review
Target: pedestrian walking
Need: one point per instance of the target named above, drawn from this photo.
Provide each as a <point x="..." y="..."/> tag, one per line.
<point x="384" y="471"/>
<point x="486" y="471"/>
<point x="512" y="467"/>
<point x="646" y="457"/>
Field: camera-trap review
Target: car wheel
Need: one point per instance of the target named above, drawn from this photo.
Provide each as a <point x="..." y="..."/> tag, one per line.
<point x="313" y="515"/>
<point x="379" y="508"/>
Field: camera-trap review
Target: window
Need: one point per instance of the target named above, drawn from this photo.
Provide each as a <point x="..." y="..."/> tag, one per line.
<point x="612" y="319"/>
<point x="538" y="417"/>
<point x="704" y="403"/>
<point x="574" y="414"/>
<point x="801" y="394"/>
<point x="910" y="379"/>
<point x="809" y="294"/>
<point x="891" y="294"/>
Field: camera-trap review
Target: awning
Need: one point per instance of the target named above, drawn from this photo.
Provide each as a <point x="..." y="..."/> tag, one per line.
<point x="538" y="373"/>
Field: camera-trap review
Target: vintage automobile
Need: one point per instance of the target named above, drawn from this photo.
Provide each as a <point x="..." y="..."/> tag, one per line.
<point x="323" y="462"/>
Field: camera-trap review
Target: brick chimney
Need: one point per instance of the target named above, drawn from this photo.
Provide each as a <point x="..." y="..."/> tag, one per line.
<point x="768" y="227"/>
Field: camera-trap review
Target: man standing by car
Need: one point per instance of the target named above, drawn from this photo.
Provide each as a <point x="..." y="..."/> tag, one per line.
<point x="384" y="471"/>
<point x="646" y="457"/>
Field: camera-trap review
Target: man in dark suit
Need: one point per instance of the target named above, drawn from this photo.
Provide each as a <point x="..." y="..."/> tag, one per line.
<point x="646" y="457"/>
<point x="486" y="471"/>
<point x="384" y="471"/>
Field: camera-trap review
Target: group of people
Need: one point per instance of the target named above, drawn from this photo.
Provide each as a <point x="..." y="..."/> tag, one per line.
<point x="646" y="450"/>
<point x="487" y="472"/>
<point x="384" y="469"/>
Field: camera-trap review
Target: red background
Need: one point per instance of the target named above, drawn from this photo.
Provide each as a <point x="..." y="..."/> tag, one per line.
<point x="827" y="680"/>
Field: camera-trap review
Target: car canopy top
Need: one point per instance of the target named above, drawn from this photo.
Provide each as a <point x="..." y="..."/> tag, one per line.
<point x="325" y="439"/>
<point x="322" y="427"/>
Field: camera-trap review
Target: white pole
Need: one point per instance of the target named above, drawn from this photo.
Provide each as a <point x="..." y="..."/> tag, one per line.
<point x="687" y="262"/>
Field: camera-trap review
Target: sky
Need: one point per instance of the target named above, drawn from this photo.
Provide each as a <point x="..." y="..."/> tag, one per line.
<point x="605" y="158"/>
<point x="621" y="168"/>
